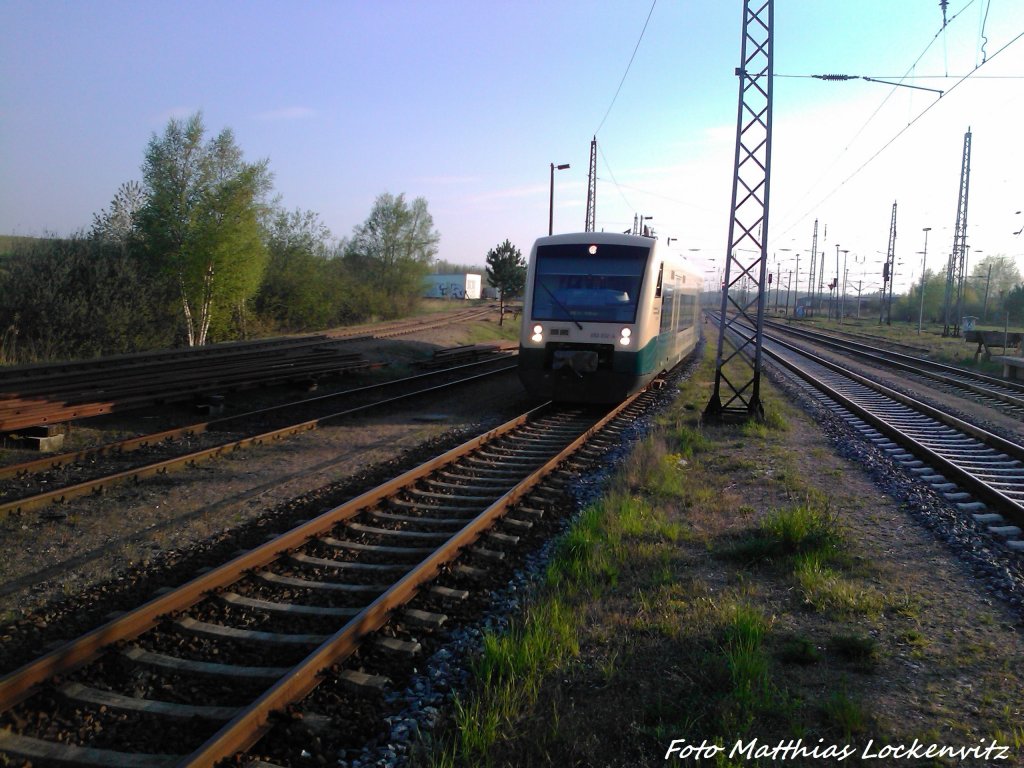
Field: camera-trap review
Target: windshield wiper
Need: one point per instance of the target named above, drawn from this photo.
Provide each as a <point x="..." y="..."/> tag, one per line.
<point x="560" y="304"/>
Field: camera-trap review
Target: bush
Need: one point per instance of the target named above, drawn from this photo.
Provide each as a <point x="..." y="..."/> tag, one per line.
<point x="79" y="298"/>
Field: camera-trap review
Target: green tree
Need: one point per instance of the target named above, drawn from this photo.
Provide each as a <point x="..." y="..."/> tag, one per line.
<point x="992" y="277"/>
<point x="506" y="271"/>
<point x="202" y="223"/>
<point x="120" y="224"/>
<point x="391" y="253"/>
<point x="1013" y="304"/>
<point x="908" y="307"/>
<point x="303" y="287"/>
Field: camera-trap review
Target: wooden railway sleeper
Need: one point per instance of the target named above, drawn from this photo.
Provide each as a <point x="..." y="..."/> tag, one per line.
<point x="332" y="586"/>
<point x="356" y="546"/>
<point x="322" y="562"/>
<point x="468" y="487"/>
<point x="83" y="694"/>
<point x="483" y="473"/>
<point x="448" y="509"/>
<point x="459" y="499"/>
<point x="505" y="459"/>
<point x="137" y="655"/>
<point x="298" y="609"/>
<point x="428" y="522"/>
<point x="191" y="626"/>
<point x="411" y="535"/>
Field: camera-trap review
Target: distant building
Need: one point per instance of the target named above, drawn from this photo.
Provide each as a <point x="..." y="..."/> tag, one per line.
<point x="461" y="286"/>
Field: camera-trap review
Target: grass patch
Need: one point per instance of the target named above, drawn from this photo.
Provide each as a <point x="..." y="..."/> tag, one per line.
<point x="510" y="671"/>
<point x="783" y="534"/>
<point x="773" y="421"/>
<point x="743" y="650"/>
<point x="860" y="649"/>
<point x="828" y="591"/>
<point x="799" y="650"/>
<point x="846" y="713"/>
<point x="482" y="332"/>
<point x="583" y="556"/>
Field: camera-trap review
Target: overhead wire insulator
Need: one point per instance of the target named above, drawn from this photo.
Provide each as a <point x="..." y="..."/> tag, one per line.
<point x="836" y="77"/>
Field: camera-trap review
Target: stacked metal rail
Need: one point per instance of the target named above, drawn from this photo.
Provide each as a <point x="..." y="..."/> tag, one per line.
<point x="49" y="394"/>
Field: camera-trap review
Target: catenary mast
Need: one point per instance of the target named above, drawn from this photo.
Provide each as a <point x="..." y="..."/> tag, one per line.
<point x="737" y="392"/>
<point x="589" y="226"/>
<point x="957" y="268"/>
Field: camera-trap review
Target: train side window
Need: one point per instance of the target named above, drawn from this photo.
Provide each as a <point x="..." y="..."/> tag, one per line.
<point x="661" y="274"/>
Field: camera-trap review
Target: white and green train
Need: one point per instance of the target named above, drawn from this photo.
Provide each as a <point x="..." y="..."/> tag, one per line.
<point x="603" y="315"/>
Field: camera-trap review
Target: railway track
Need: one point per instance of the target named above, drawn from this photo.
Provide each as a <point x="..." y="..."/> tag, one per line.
<point x="40" y="483"/>
<point x="979" y="472"/>
<point x="202" y="673"/>
<point x="989" y="390"/>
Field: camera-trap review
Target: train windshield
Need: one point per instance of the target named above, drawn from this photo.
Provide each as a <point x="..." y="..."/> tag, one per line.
<point x="587" y="283"/>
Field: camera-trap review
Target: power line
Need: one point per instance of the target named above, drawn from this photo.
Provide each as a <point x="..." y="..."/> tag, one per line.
<point x="903" y="130"/>
<point x="623" y="80"/>
<point x="981" y="35"/>
<point x="878" y="109"/>
<point x="618" y="187"/>
<point x="911" y="77"/>
<point x="892" y="91"/>
<point x="927" y="109"/>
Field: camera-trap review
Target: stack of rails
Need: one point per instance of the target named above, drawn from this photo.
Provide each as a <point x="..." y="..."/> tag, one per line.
<point x="469" y="353"/>
<point x="39" y="394"/>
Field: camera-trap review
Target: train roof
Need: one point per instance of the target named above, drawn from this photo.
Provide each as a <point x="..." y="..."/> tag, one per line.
<point x="596" y="237"/>
<point x="619" y="239"/>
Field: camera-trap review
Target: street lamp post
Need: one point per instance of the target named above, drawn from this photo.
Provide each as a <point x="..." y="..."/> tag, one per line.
<point x="797" y="299"/>
<point x="988" y="285"/>
<point x="924" y="260"/>
<point x="551" y="197"/>
<point x="842" y="306"/>
<point x="837" y="279"/>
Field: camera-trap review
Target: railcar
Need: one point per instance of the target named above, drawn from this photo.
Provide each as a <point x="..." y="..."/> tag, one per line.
<point x="603" y="315"/>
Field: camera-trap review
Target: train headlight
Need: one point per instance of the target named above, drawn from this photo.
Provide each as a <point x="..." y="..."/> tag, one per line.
<point x="538" y="334"/>
<point x="624" y="337"/>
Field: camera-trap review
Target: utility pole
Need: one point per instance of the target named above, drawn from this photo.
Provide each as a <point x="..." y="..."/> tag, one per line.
<point x="958" y="256"/>
<point x="738" y="395"/>
<point x="988" y="284"/>
<point x="821" y="274"/>
<point x="842" y="306"/>
<point x="592" y="188"/>
<point x="924" y="261"/>
<point x="797" y="299"/>
<point x="836" y="302"/>
<point x="778" y="285"/>
<point x="813" y="270"/>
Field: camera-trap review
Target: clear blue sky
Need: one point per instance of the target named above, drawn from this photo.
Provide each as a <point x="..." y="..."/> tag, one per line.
<point x="467" y="103"/>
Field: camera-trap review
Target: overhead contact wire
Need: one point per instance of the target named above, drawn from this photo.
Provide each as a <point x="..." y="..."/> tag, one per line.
<point x="630" y="64"/>
<point x="904" y="129"/>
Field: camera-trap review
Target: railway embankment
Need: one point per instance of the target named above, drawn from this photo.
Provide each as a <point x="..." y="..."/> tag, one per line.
<point x="746" y="595"/>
